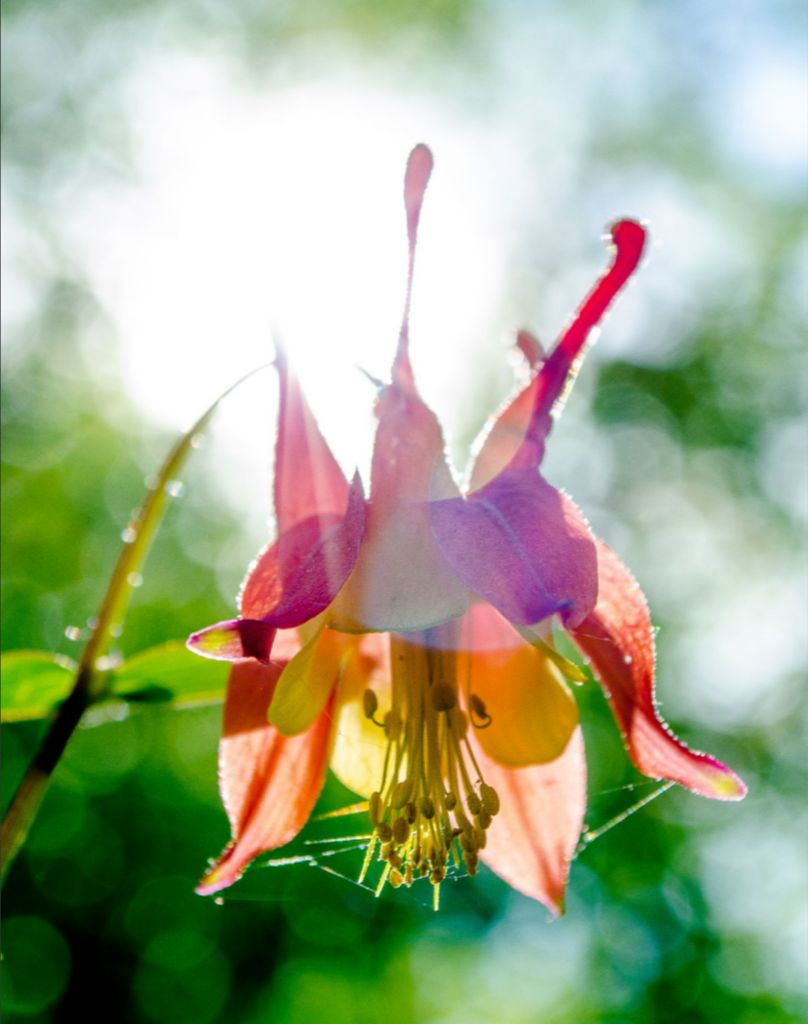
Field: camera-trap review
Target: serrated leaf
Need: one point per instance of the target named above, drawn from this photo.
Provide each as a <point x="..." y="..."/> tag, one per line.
<point x="170" y="673"/>
<point x="34" y="682"/>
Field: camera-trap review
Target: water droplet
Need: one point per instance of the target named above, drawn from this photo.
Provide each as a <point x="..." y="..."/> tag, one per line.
<point x="196" y="441"/>
<point x="73" y="633"/>
<point x="92" y="622"/>
<point x="219" y="901"/>
<point x="151" y="481"/>
<point x="134" y="579"/>
<point x="128" y="535"/>
<point x="627" y="659"/>
<point x="109" y="662"/>
<point x="175" y="488"/>
<point x="116" y="630"/>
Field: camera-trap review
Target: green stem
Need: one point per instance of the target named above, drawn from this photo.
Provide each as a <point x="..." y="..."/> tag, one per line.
<point x="90" y="680"/>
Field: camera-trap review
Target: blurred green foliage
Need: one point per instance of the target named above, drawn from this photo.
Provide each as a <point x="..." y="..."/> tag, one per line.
<point x="675" y="913"/>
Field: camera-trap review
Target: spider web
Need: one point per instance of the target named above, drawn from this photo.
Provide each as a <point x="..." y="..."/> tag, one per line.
<point x="330" y="854"/>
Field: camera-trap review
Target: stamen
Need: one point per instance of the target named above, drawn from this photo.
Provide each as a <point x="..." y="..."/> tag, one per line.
<point x="419" y="820"/>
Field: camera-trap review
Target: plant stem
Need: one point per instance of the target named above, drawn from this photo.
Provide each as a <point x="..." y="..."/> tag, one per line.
<point x="90" y="681"/>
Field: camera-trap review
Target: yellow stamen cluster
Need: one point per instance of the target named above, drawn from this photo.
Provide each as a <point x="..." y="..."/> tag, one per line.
<point x="432" y="804"/>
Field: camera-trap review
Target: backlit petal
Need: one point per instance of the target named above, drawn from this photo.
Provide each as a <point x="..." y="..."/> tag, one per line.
<point x="308" y="479"/>
<point x="234" y="640"/>
<point x="619" y="640"/>
<point x="401" y="581"/>
<point x="357" y="757"/>
<point x="306" y="682"/>
<point x="501" y="436"/>
<point x="298" y="576"/>
<point x="269" y="782"/>
<point x="531" y="407"/>
<point x="533" y="714"/>
<point x="533" y="838"/>
<point x="522" y="546"/>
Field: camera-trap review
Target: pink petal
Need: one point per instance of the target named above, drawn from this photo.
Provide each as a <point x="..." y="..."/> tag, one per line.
<point x="522" y="546"/>
<point x="269" y="782"/>
<point x="401" y="581"/>
<point x="234" y="640"/>
<point x="299" y="575"/>
<point x="416" y="179"/>
<point x="533" y="838"/>
<point x="308" y="479"/>
<point x="628" y="241"/>
<point x="531" y="407"/>
<point x="618" y="638"/>
<point x="502" y="436"/>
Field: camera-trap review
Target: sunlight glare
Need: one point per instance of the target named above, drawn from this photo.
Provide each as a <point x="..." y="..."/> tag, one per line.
<point x="279" y="215"/>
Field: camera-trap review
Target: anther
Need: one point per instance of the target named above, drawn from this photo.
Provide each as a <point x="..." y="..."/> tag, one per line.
<point x="392" y="725"/>
<point x="451" y="801"/>
<point x="402" y="792"/>
<point x="395" y="879"/>
<point x="412" y="813"/>
<point x="375" y="808"/>
<point x="427" y="807"/>
<point x="473" y="802"/>
<point x="370" y="703"/>
<point x="384" y="832"/>
<point x="443" y="697"/>
<point x="401" y="830"/>
<point x="483" y="818"/>
<point x="490" y="798"/>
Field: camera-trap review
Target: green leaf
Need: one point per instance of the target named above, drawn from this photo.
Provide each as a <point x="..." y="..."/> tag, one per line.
<point x="170" y="673"/>
<point x="34" y="682"/>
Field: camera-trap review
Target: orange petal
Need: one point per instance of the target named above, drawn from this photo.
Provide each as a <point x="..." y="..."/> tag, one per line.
<point x="618" y="638"/>
<point x="532" y="839"/>
<point x="269" y="782"/>
<point x="533" y="714"/>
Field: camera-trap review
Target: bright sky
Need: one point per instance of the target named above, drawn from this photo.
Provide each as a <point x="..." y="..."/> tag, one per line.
<point x="283" y="214"/>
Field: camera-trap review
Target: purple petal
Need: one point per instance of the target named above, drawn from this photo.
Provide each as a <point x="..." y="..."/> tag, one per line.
<point x="522" y="546"/>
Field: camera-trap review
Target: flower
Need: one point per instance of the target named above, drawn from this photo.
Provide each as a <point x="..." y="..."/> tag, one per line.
<point x="405" y="639"/>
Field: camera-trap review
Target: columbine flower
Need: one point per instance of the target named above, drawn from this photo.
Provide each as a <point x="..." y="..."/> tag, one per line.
<point x="406" y="639"/>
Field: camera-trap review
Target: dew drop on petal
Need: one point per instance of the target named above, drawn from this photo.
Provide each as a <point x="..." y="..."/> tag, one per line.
<point x="627" y="659"/>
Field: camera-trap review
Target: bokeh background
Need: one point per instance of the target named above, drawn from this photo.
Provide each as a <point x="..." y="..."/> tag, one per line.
<point x="182" y="180"/>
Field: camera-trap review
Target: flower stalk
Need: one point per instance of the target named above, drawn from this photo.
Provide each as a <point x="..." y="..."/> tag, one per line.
<point x="90" y="680"/>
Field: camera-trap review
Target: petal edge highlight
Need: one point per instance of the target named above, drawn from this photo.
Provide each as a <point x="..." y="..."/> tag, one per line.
<point x="618" y="638"/>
